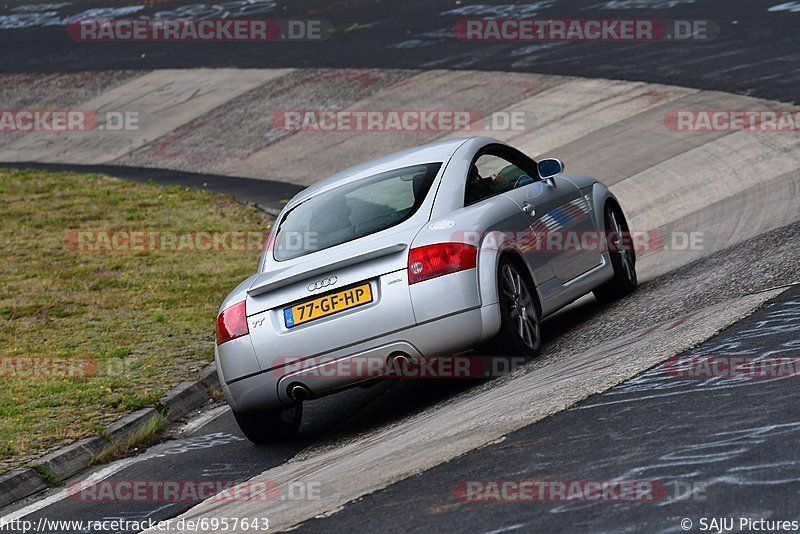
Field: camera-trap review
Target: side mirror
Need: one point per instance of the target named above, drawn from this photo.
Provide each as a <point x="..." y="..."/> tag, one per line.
<point x="550" y="167"/>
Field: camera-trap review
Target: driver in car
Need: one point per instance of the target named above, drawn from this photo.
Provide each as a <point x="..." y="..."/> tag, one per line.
<point x="479" y="187"/>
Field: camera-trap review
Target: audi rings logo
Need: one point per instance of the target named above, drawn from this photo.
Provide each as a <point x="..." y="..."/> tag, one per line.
<point x="325" y="282"/>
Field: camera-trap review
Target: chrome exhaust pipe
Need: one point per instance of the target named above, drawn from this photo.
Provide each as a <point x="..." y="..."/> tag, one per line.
<point x="399" y="362"/>
<point x="298" y="392"/>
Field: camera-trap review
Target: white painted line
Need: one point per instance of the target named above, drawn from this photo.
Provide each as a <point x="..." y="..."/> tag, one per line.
<point x="65" y="493"/>
<point x="115" y="467"/>
<point x="195" y="424"/>
<point x="509" y="528"/>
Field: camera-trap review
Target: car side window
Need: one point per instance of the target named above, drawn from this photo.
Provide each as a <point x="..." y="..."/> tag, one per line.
<point x="492" y="175"/>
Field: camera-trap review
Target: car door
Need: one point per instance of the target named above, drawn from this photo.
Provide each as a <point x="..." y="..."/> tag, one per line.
<point x="494" y="173"/>
<point x="558" y="214"/>
<point x="561" y="220"/>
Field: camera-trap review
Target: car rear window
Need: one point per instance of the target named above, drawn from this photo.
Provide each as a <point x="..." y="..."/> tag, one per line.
<point x="354" y="210"/>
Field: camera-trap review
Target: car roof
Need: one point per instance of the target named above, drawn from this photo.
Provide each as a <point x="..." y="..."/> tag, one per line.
<point x="438" y="151"/>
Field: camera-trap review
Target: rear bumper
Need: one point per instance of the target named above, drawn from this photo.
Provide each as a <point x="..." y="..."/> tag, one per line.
<point x="453" y="333"/>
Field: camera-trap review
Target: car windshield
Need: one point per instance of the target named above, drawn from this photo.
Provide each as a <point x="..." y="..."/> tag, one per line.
<point x="354" y="210"/>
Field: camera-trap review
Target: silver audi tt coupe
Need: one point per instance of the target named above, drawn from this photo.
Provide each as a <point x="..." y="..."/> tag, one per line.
<point x="414" y="256"/>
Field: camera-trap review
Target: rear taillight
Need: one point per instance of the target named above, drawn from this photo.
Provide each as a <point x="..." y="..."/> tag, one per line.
<point x="232" y="323"/>
<point x="431" y="261"/>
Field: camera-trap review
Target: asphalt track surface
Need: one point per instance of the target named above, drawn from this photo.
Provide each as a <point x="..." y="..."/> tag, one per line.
<point x="718" y="447"/>
<point x="266" y="194"/>
<point x="755" y="52"/>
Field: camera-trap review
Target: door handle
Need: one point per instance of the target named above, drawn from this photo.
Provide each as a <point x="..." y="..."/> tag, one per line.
<point x="528" y="208"/>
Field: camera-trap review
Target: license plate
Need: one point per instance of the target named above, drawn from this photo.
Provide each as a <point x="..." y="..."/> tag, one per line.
<point x="327" y="305"/>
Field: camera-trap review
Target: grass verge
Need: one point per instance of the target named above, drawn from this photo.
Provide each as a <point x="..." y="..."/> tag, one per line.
<point x="142" y="437"/>
<point x="87" y="336"/>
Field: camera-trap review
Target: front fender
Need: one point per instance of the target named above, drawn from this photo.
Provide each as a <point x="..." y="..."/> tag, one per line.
<point x="600" y="195"/>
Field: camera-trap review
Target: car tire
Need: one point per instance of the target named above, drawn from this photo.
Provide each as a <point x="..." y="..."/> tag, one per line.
<point x="520" y="328"/>
<point x="623" y="257"/>
<point x="270" y="426"/>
